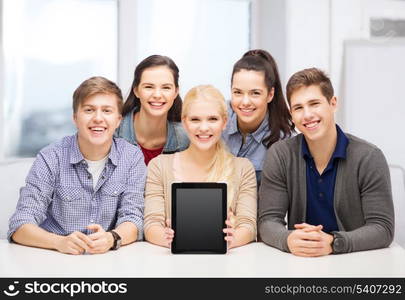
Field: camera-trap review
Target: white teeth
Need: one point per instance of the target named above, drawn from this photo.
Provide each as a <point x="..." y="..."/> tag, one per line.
<point x="311" y="125"/>
<point x="156" y="103"/>
<point x="97" y="129"/>
<point x="203" y="136"/>
<point x="247" y="110"/>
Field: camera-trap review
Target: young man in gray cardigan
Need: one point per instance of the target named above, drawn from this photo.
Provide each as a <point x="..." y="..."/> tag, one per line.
<point x="334" y="186"/>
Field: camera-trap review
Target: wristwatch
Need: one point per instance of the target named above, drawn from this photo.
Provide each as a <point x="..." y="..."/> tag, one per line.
<point x="117" y="240"/>
<point x="337" y="243"/>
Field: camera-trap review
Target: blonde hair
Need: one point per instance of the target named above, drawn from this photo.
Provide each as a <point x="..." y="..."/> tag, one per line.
<point x="221" y="166"/>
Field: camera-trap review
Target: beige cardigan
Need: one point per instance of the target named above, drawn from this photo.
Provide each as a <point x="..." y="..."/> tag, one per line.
<point x="158" y="193"/>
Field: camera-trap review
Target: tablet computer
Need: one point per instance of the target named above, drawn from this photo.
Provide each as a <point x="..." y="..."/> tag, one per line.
<point x="198" y="217"/>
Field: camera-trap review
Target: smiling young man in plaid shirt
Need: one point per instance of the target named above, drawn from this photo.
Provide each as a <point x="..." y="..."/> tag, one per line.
<point x="84" y="193"/>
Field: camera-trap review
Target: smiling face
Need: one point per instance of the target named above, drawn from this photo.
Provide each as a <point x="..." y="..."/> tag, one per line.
<point x="97" y="117"/>
<point x="204" y="124"/>
<point x="156" y="91"/>
<point x="250" y="97"/>
<point x="311" y="112"/>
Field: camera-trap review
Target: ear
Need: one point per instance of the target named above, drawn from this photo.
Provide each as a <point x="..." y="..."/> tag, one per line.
<point x="74" y="119"/>
<point x="135" y="90"/>
<point x="270" y="96"/>
<point x="225" y="122"/>
<point x="333" y="103"/>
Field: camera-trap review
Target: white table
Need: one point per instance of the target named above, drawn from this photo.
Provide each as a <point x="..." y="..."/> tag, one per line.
<point x="146" y="260"/>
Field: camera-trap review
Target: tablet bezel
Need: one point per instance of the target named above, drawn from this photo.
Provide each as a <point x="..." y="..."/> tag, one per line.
<point x="198" y="185"/>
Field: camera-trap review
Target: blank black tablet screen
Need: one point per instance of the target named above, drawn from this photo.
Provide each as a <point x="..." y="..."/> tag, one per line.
<point x="200" y="218"/>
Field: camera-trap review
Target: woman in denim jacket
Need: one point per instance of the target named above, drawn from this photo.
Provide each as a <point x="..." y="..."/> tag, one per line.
<point x="152" y="110"/>
<point x="258" y="113"/>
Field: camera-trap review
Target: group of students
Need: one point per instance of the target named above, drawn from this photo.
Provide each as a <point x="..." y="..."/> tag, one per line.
<point x="92" y="192"/>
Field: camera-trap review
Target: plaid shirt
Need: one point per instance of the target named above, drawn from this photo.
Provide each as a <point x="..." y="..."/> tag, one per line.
<point x="59" y="195"/>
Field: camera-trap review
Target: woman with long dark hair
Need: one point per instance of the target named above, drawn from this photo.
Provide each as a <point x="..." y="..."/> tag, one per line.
<point x="258" y="112"/>
<point x="152" y="111"/>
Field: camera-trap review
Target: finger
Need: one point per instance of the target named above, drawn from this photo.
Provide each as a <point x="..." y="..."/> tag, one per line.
<point x="229" y="238"/>
<point x="229" y="231"/>
<point x="102" y="242"/>
<point x="313" y="228"/>
<point x="308" y="236"/>
<point x="303" y="254"/>
<point x="305" y="244"/>
<point x="169" y="223"/>
<point x="74" y="251"/>
<point x="79" y="243"/>
<point x="98" y="251"/>
<point x="96" y="235"/>
<point x="307" y="227"/>
<point x="74" y="248"/>
<point x="95" y="227"/>
<point x="301" y="225"/>
<point x="310" y="252"/>
<point x="228" y="223"/>
<point x="83" y="237"/>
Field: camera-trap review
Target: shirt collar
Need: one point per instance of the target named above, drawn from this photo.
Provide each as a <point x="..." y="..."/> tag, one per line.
<point x="76" y="155"/>
<point x="340" y="148"/>
<point x="260" y="132"/>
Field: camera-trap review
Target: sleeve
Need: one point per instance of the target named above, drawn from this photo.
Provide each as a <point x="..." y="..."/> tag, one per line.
<point x="132" y="202"/>
<point x="378" y="209"/>
<point x="273" y="201"/>
<point x="155" y="213"/>
<point x="36" y="195"/>
<point x="246" y="204"/>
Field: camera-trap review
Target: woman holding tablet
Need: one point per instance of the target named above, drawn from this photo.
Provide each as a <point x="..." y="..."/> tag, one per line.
<point x="258" y="113"/>
<point x="204" y="117"/>
<point x="152" y="110"/>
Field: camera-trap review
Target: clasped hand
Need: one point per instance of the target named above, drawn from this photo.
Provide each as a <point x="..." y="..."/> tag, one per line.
<point x="77" y="242"/>
<point x="309" y="240"/>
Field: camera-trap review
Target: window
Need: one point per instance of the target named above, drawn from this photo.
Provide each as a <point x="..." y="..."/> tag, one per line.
<point x="49" y="48"/>
<point x="203" y="37"/>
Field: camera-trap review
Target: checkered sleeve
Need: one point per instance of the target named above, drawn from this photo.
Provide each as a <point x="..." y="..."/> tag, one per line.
<point x="132" y="202"/>
<point x="36" y="195"/>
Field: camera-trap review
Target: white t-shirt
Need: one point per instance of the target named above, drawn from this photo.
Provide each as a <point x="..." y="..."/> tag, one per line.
<point x="96" y="168"/>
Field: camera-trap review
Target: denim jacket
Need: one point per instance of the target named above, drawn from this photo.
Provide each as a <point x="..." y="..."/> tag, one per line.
<point x="176" y="140"/>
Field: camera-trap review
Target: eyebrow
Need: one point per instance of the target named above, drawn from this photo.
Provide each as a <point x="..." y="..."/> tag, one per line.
<point x="309" y="102"/>
<point x="149" y="83"/>
<point x="102" y="106"/>
<point x="199" y="117"/>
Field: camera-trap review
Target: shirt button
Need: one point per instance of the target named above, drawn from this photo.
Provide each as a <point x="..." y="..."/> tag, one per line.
<point x="321" y="195"/>
<point x="320" y="180"/>
<point x="88" y="176"/>
<point x="91" y="221"/>
<point x="102" y="177"/>
<point x="115" y="192"/>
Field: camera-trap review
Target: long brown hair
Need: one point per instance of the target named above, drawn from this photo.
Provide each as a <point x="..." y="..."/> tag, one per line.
<point x="280" y="123"/>
<point x="174" y="114"/>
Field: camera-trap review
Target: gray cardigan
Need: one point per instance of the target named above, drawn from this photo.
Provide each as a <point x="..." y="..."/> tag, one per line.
<point x="362" y="199"/>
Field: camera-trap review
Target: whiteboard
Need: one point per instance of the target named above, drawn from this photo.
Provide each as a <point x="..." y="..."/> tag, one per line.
<point x="373" y="101"/>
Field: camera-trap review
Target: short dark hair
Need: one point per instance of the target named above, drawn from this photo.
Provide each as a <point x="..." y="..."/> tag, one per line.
<point x="174" y="114"/>
<point x="308" y="77"/>
<point x="93" y="86"/>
